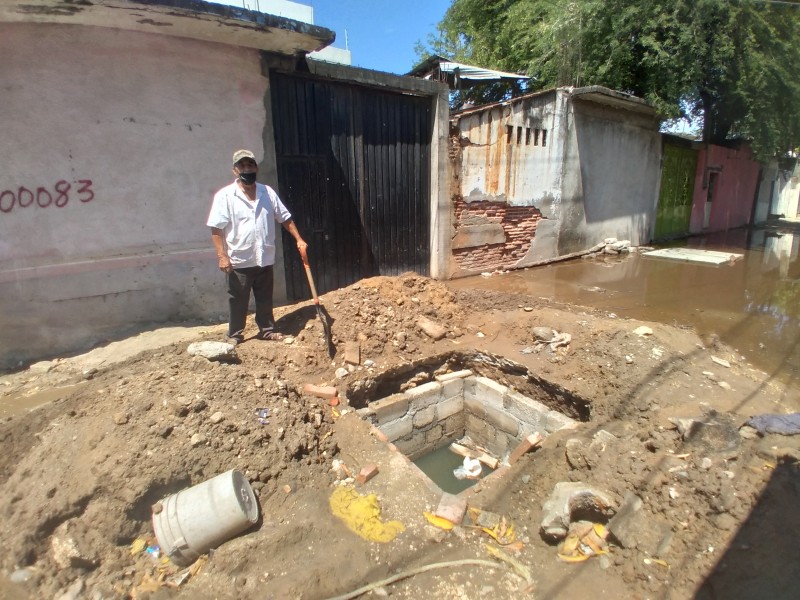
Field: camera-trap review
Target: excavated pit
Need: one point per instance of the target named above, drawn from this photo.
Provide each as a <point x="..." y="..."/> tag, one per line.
<point x="484" y="402"/>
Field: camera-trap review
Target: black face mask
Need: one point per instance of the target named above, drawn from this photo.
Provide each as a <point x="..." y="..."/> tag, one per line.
<point x="248" y="178"/>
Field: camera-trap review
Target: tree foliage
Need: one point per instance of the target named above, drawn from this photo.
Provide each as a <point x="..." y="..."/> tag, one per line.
<point x="734" y="64"/>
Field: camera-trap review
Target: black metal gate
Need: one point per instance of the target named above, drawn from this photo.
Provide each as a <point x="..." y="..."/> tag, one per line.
<point x="354" y="170"/>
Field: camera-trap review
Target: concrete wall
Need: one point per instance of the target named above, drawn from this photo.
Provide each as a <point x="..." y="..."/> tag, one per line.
<point x="427" y="417"/>
<point x="550" y="174"/>
<point x="767" y="188"/>
<point x="137" y="131"/>
<point x="613" y="162"/>
<point x="736" y="178"/>
<point x="778" y="191"/>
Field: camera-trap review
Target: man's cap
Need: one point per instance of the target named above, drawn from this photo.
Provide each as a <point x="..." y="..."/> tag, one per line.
<point x="240" y="154"/>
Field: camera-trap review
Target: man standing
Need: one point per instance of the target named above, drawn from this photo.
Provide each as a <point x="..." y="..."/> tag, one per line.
<point x="242" y="220"/>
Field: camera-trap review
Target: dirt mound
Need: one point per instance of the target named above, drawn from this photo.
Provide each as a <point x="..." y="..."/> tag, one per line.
<point x="80" y="476"/>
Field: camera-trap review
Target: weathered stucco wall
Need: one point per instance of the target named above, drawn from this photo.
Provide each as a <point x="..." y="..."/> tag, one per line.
<point x="778" y="192"/>
<point x="508" y="177"/>
<point x="113" y="144"/>
<point x="613" y="160"/>
<point x="584" y="171"/>
<point x="733" y="176"/>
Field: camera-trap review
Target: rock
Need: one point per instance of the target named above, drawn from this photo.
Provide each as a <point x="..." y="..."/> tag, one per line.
<point x="621" y="245"/>
<point x="432" y="329"/>
<point x="341" y="373"/>
<point x="73" y="592"/>
<point x="713" y="433"/>
<point x="625" y="526"/>
<point x="434" y="534"/>
<point x="643" y="331"/>
<point x="67" y="552"/>
<point x="724" y="521"/>
<point x="21" y="575"/>
<point x="748" y="433"/>
<point x="215" y="351"/>
<point x="120" y="418"/>
<point x="217" y="417"/>
<point x="41" y="367"/>
<point x="198" y="439"/>
<point x="575" y="454"/>
<point x="542" y="334"/>
<point x="721" y="362"/>
<point x="568" y="497"/>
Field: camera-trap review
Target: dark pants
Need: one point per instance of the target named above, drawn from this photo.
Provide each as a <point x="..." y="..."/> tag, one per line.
<point x="240" y="282"/>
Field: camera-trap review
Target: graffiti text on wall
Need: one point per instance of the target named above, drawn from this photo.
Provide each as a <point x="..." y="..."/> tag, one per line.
<point x="59" y="195"/>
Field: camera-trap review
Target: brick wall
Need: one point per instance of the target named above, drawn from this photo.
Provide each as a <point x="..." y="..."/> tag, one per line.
<point x="518" y="223"/>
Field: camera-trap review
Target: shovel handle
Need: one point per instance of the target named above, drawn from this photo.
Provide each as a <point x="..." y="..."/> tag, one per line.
<point x="304" y="258"/>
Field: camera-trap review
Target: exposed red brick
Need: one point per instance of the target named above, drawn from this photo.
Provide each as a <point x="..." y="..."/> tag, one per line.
<point x="524" y="446"/>
<point x="328" y="392"/>
<point x="452" y="508"/>
<point x="367" y="472"/>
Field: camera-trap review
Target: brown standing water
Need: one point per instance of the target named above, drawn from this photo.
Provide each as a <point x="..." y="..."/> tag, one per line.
<point x="752" y="305"/>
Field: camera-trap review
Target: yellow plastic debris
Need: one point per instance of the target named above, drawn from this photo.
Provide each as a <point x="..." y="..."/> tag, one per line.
<point x="502" y="533"/>
<point x="137" y="546"/>
<point x="439" y="522"/>
<point x="362" y="515"/>
<point x="583" y="540"/>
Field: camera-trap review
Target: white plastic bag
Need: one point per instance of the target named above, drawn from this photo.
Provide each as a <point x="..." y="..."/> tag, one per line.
<point x="471" y="469"/>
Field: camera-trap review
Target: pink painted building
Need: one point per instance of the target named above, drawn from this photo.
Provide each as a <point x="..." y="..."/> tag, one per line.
<point x="724" y="188"/>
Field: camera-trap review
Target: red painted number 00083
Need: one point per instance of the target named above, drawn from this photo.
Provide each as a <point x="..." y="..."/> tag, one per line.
<point x="43" y="197"/>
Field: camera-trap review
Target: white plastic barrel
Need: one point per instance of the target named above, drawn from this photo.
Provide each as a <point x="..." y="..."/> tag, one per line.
<point x="191" y="522"/>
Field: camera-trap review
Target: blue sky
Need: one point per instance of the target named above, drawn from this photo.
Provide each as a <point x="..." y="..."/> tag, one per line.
<point x="381" y="34"/>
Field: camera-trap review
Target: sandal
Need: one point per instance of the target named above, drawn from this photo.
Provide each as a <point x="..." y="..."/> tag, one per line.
<point x="272" y="336"/>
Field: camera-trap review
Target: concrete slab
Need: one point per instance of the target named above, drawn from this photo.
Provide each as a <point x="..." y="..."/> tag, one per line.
<point x="694" y="255"/>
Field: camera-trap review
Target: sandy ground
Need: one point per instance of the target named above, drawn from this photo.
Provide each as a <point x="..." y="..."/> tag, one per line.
<point x="140" y="419"/>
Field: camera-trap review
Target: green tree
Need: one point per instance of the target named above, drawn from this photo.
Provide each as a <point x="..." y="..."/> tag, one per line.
<point x="734" y="64"/>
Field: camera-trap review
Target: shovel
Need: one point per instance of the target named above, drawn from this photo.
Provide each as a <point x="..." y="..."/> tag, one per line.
<point x="321" y="312"/>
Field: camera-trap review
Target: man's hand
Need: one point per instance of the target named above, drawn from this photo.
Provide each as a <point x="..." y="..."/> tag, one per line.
<point x="225" y="264"/>
<point x="301" y="245"/>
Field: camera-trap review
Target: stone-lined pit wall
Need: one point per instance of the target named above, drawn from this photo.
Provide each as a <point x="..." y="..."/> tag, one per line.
<point x="491" y="235"/>
<point x="430" y="416"/>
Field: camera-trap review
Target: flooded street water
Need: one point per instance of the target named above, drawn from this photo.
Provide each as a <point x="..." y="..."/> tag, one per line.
<point x="753" y="305"/>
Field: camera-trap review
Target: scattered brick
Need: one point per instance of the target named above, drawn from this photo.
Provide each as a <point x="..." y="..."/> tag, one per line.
<point x="452" y="508"/>
<point x="327" y="392"/>
<point x="352" y="353"/>
<point x="367" y="472"/>
<point x="526" y="445"/>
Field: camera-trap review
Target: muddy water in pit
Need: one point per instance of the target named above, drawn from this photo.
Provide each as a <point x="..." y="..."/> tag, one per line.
<point x="440" y="465"/>
<point x="753" y="305"/>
